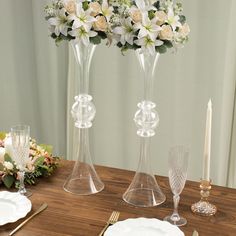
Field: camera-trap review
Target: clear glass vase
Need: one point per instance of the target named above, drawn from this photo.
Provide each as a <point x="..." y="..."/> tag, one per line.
<point x="83" y="179"/>
<point x="144" y="190"/>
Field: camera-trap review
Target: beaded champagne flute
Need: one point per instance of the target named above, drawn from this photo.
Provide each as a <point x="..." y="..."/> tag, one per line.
<point x="178" y="163"/>
<point x="20" y="135"/>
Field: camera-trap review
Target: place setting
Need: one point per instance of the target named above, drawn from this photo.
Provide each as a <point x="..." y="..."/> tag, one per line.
<point x="21" y="160"/>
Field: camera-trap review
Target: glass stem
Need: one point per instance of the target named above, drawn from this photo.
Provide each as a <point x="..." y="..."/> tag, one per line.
<point x="175" y="215"/>
<point x="22" y="184"/>
<point x="144" y="165"/>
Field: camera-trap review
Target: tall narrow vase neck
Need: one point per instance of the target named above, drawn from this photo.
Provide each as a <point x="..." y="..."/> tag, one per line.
<point x="148" y="63"/>
<point x="144" y="162"/>
<point x="83" y="55"/>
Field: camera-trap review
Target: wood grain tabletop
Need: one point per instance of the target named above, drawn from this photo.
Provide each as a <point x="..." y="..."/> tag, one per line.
<point x="69" y="214"/>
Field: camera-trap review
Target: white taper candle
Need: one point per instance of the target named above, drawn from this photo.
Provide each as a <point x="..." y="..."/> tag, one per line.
<point x="207" y="146"/>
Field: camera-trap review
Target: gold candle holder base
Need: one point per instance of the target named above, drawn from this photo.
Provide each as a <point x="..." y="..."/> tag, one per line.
<point x="203" y="207"/>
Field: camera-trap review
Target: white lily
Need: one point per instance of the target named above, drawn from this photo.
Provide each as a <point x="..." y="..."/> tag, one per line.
<point x="173" y="19"/>
<point x="147" y="27"/>
<point x="59" y="22"/>
<point x="147" y="44"/>
<point x="106" y="10"/>
<point x="81" y="34"/>
<point x="82" y="18"/>
<point x="142" y="6"/>
<point x="125" y="31"/>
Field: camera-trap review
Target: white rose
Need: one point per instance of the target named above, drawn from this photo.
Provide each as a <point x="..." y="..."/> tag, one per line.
<point x="100" y="24"/>
<point x="166" y="32"/>
<point x="161" y="17"/>
<point x="2" y="153"/>
<point x="8" y="165"/>
<point x="184" y="30"/>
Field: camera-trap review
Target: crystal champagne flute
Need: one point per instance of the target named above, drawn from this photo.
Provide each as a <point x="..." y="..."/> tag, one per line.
<point x="20" y="135"/>
<point x="178" y="163"/>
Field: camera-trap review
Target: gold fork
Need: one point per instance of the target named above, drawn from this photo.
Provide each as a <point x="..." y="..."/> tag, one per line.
<point x="112" y="220"/>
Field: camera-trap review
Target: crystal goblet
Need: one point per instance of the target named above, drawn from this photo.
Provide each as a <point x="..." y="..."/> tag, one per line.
<point x="20" y="135"/>
<point x="178" y="163"/>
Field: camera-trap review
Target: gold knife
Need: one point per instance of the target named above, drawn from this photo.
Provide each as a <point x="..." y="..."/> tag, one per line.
<point x="41" y="208"/>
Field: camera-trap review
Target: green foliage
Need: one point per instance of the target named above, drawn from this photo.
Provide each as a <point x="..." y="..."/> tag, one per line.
<point x="48" y="148"/>
<point x="157" y="5"/>
<point x="151" y="14"/>
<point x="168" y="44"/>
<point x="161" y="49"/>
<point x="95" y="40"/>
<point x="85" y="5"/>
<point x="8" y="180"/>
<point x="8" y="158"/>
<point x="2" y="135"/>
<point x="39" y="161"/>
<point x="182" y="19"/>
<point x="1" y="167"/>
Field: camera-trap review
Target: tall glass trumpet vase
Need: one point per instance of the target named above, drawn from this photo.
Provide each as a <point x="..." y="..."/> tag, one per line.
<point x="144" y="190"/>
<point x="83" y="180"/>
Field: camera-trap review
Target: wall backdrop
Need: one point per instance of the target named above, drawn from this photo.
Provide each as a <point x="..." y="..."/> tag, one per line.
<point x="39" y="81"/>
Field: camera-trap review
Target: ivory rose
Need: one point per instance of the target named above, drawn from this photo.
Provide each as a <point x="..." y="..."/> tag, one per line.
<point x="166" y="32"/>
<point x="161" y="16"/>
<point x="70" y="6"/>
<point x="184" y="30"/>
<point x="95" y="7"/>
<point x="136" y="16"/>
<point x="100" y="24"/>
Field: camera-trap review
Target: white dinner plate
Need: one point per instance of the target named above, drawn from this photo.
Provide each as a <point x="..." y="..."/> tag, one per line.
<point x="143" y="227"/>
<point x="13" y="206"/>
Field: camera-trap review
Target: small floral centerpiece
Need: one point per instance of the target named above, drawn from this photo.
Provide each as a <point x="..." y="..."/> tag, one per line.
<point x="41" y="162"/>
<point x="85" y="21"/>
<point x="149" y="25"/>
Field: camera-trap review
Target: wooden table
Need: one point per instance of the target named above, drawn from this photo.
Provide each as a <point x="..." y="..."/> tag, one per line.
<point x="69" y="214"/>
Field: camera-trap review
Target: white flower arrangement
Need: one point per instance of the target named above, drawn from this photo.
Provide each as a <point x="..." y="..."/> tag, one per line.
<point x="80" y="20"/>
<point x="153" y="28"/>
<point x="133" y="24"/>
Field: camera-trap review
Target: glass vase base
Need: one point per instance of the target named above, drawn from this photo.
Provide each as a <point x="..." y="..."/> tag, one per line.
<point x="83" y="180"/>
<point x="143" y="197"/>
<point x="204" y="208"/>
<point x="180" y="222"/>
<point x="144" y="191"/>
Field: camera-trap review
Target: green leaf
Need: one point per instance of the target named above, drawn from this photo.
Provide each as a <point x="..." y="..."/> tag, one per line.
<point x="39" y="161"/>
<point x="161" y="49"/>
<point x="8" y="158"/>
<point x="151" y="14"/>
<point x="1" y="167"/>
<point x="95" y="40"/>
<point x="8" y="180"/>
<point x="157" y="5"/>
<point x="168" y="44"/>
<point x="85" y="5"/>
<point x="47" y="148"/>
<point x="2" y="135"/>
<point x="102" y="34"/>
<point x="182" y="19"/>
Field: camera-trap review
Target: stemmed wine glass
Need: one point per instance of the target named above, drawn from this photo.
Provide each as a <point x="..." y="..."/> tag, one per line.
<point x="178" y="163"/>
<point x="20" y="135"/>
